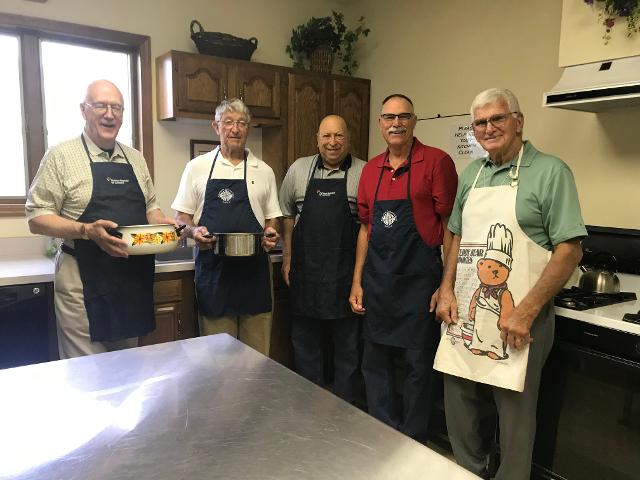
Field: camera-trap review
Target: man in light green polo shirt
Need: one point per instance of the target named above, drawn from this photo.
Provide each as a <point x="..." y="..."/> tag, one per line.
<point x="542" y="177"/>
<point x="517" y="228"/>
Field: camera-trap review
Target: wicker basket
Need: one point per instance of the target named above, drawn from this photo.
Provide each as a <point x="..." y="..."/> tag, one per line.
<point x="222" y="44"/>
<point x="321" y="60"/>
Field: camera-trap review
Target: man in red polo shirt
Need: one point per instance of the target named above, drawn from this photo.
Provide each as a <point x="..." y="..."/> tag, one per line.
<point x="405" y="197"/>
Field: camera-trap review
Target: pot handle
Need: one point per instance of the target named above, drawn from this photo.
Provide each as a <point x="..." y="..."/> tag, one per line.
<point x="113" y="232"/>
<point x="180" y="228"/>
<point x="608" y="261"/>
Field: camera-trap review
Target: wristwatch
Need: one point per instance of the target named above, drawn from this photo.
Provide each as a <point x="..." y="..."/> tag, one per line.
<point x="83" y="231"/>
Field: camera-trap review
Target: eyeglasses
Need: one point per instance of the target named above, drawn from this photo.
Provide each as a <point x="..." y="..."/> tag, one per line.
<point x="338" y="137"/>
<point x="228" y="123"/>
<point x="402" y="117"/>
<point x="101" y="108"/>
<point x="496" y="120"/>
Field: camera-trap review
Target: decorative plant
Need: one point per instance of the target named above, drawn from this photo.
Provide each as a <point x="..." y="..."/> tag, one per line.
<point x="610" y="10"/>
<point x="328" y="32"/>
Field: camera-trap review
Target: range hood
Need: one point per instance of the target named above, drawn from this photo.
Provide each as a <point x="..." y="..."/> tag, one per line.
<point x="594" y="87"/>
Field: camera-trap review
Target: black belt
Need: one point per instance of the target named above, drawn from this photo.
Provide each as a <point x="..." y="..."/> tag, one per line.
<point x="67" y="249"/>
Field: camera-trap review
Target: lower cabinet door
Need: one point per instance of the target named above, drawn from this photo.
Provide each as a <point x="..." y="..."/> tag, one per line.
<point x="168" y="316"/>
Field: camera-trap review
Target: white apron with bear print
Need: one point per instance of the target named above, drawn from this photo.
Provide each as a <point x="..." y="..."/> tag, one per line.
<point x="497" y="266"/>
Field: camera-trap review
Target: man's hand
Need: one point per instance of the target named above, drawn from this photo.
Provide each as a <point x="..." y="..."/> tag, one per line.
<point x="355" y="299"/>
<point x="515" y="328"/>
<point x="270" y="239"/>
<point x="204" y="240"/>
<point x="97" y="231"/>
<point x="447" y="306"/>
<point x="286" y="268"/>
<point x="434" y="300"/>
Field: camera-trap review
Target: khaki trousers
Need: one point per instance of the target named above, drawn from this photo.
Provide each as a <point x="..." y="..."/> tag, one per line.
<point x="72" y="323"/>
<point x="252" y="330"/>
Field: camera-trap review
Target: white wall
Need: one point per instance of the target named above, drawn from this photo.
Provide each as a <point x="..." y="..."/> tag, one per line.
<point x="581" y="36"/>
<point x="443" y="53"/>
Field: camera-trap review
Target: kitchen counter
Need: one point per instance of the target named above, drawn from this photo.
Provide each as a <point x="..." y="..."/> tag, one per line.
<point x="35" y="268"/>
<point x="207" y="407"/>
<point x="611" y="315"/>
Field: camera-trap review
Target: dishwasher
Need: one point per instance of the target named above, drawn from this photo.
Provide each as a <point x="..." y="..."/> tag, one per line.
<point x="24" y="325"/>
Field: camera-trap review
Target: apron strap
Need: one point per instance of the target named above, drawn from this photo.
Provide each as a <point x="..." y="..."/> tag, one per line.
<point x="86" y="149"/>
<point x="512" y="176"/>
<point x="213" y="164"/>
<point x="314" y="165"/>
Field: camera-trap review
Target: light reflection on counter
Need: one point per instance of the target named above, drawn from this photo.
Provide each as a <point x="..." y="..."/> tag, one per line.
<point x="29" y="442"/>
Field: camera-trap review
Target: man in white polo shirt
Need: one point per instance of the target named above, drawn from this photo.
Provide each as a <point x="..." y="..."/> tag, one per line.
<point x="231" y="190"/>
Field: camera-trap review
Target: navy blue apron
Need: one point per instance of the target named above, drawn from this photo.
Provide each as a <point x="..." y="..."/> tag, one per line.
<point x="118" y="292"/>
<point x="231" y="285"/>
<point x="400" y="274"/>
<point x="323" y="250"/>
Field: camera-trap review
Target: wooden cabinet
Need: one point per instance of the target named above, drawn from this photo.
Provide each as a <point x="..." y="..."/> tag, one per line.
<point x="351" y="102"/>
<point x="308" y="104"/>
<point x="174" y="306"/>
<point x="288" y="103"/>
<point x="281" y="349"/>
<point x="312" y="96"/>
<point x="259" y="88"/>
<point x="191" y="86"/>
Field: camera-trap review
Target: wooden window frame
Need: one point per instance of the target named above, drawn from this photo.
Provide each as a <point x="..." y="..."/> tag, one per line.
<point x="30" y="31"/>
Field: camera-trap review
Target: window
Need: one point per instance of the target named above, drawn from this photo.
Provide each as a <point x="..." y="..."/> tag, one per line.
<point x="47" y="66"/>
<point x="63" y="92"/>
<point x="13" y="178"/>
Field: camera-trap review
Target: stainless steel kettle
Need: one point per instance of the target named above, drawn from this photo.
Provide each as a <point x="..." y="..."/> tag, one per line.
<point x="599" y="280"/>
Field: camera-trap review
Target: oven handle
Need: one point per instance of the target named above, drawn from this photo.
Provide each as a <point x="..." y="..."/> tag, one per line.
<point x="601" y="356"/>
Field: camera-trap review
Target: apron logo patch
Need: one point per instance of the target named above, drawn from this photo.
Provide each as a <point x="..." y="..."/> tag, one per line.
<point x="117" y="181"/>
<point x="389" y="218"/>
<point x="225" y="195"/>
<point x="324" y="194"/>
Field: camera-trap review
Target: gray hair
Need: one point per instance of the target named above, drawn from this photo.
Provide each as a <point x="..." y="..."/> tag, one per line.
<point x="232" y="105"/>
<point x="492" y="95"/>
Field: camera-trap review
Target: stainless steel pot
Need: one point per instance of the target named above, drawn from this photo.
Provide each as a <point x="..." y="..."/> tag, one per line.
<point x="599" y="280"/>
<point x="238" y="244"/>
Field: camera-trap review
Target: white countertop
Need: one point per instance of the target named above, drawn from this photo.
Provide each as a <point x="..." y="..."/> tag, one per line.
<point x="36" y="268"/>
<point x="609" y="317"/>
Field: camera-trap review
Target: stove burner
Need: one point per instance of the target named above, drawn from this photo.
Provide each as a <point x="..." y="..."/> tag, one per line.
<point x="575" y="298"/>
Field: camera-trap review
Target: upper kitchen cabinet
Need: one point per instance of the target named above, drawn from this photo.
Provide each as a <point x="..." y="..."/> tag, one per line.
<point x="312" y="96"/>
<point x="308" y="104"/>
<point x="259" y="87"/>
<point x="351" y="102"/>
<point x="289" y="103"/>
<point x="192" y="85"/>
<point x="189" y="85"/>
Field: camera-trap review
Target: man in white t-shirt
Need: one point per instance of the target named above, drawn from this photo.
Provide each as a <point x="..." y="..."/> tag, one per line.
<point x="224" y="191"/>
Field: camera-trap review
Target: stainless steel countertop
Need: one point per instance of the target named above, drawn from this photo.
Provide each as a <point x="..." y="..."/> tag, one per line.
<point x="201" y="408"/>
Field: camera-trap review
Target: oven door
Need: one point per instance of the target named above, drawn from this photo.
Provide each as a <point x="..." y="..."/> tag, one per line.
<point x="588" y="415"/>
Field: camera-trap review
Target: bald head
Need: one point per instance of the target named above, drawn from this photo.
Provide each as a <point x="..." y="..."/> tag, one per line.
<point x="100" y="87"/>
<point x="333" y="140"/>
<point x="102" y="111"/>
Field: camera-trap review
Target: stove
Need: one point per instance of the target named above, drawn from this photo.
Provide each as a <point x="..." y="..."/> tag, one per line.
<point x="575" y="298"/>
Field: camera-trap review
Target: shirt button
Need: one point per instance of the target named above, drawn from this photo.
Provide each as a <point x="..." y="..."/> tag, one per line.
<point x="392" y="170"/>
<point x="393" y="179"/>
